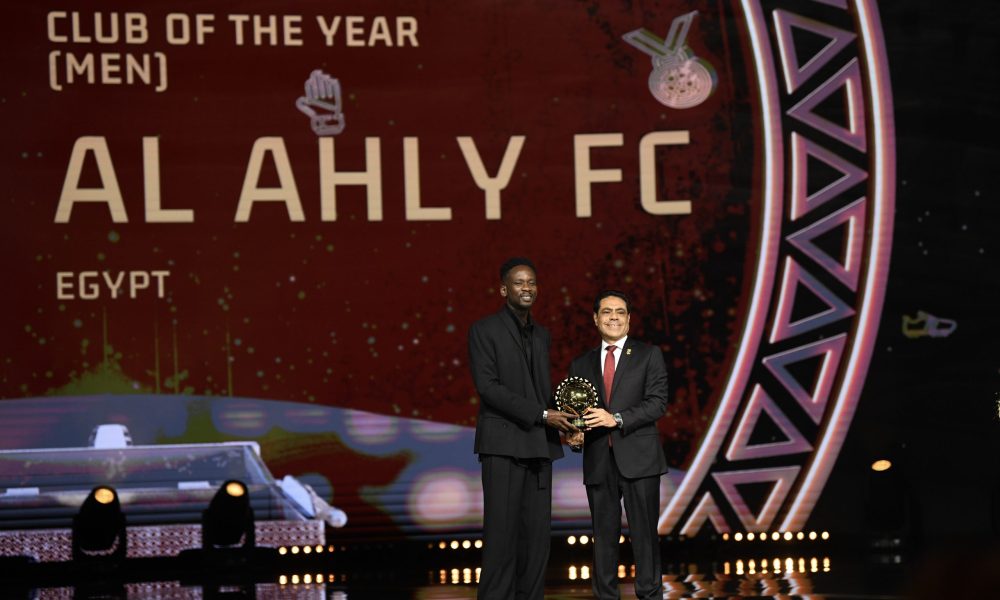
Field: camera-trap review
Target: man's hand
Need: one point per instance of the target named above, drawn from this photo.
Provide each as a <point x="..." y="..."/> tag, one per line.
<point x="575" y="439"/>
<point x="598" y="417"/>
<point x="561" y="421"/>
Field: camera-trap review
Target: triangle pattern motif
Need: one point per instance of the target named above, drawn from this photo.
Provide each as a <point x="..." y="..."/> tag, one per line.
<point x="851" y="133"/>
<point x="795" y="277"/>
<point x="812" y="401"/>
<point x="740" y="449"/>
<point x="707" y="510"/>
<point x="782" y="477"/>
<point x="795" y="70"/>
<point x="852" y="218"/>
<point x="802" y="202"/>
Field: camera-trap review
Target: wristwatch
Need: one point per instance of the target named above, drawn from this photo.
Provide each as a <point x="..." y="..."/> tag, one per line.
<point x="618" y="419"/>
<point x="545" y="416"/>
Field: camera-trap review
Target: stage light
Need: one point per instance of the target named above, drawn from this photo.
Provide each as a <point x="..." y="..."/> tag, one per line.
<point x="800" y="536"/>
<point x="466" y="544"/>
<point x="282" y="551"/>
<point x="584" y="539"/>
<point x="725" y="537"/>
<point x="478" y="544"/>
<point x="749" y="536"/>
<point x="881" y="465"/>
<point x="228" y="521"/>
<point x="235" y="489"/>
<point x="788" y="536"/>
<point x="812" y="535"/>
<point x="738" y="536"/>
<point x="104" y="495"/>
<point x="571" y="540"/>
<point x="825" y="535"/>
<point x="621" y="539"/>
<point x="888" y="506"/>
<point x="775" y="536"/>
<point x="99" y="527"/>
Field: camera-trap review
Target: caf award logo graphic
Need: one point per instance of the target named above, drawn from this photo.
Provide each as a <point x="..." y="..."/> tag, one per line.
<point x="679" y="78"/>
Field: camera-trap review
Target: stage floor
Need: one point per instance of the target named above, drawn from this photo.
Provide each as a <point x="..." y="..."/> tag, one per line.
<point x="964" y="571"/>
<point x="396" y="578"/>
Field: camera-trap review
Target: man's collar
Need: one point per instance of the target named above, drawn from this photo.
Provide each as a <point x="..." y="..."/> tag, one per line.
<point x="527" y="323"/>
<point x="619" y="344"/>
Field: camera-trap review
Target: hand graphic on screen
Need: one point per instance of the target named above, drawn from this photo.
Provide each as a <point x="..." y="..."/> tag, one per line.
<point x="322" y="104"/>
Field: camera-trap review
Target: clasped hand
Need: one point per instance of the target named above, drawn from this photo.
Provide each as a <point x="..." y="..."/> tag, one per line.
<point x="561" y="421"/>
<point x="598" y="417"/>
<point x="594" y="418"/>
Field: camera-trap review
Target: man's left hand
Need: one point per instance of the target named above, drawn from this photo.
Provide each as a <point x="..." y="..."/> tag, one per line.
<point x="561" y="421"/>
<point x="598" y="417"/>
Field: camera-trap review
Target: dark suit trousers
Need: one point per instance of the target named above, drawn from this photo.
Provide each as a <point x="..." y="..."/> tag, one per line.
<point x="517" y="513"/>
<point x="642" y="507"/>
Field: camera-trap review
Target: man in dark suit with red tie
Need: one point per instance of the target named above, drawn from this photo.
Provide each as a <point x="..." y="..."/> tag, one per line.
<point x="516" y="439"/>
<point x="622" y="456"/>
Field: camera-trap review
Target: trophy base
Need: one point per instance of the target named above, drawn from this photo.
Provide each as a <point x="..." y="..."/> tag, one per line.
<point x="579" y="423"/>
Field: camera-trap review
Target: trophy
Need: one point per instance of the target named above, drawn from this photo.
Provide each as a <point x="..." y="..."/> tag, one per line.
<point x="575" y="395"/>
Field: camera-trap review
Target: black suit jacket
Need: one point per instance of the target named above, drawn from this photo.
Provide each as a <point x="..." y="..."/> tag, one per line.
<point x="511" y="402"/>
<point x="639" y="393"/>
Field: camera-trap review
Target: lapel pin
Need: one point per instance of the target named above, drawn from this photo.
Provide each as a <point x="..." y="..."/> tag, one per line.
<point x="628" y="352"/>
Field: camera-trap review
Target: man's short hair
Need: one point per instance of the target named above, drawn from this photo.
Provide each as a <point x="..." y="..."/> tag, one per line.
<point x="516" y="261"/>
<point x="609" y="293"/>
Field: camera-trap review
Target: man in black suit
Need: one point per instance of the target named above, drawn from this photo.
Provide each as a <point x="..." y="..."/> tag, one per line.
<point x="516" y="438"/>
<point x="622" y="456"/>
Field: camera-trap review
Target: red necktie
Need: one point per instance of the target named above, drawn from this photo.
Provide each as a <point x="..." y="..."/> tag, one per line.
<point x="609" y="374"/>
